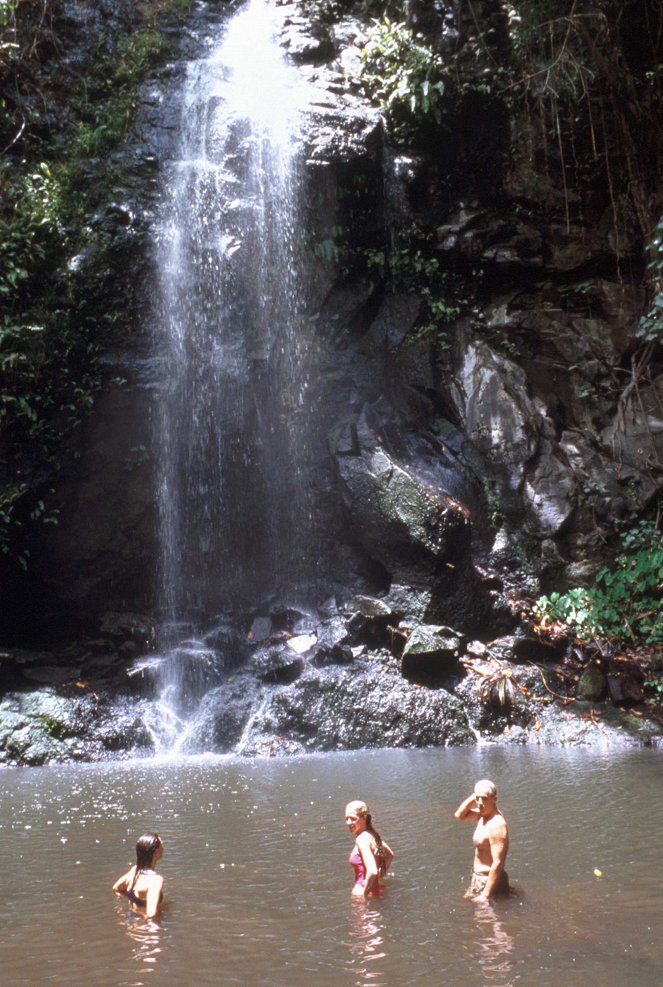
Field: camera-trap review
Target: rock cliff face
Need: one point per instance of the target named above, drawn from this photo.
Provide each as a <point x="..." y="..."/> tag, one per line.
<point x="513" y="443"/>
<point x="460" y="470"/>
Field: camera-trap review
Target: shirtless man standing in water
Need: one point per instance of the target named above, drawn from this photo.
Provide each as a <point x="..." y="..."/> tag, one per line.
<point x="491" y="843"/>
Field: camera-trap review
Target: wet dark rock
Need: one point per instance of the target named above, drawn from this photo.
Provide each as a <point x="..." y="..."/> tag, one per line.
<point x="371" y="608"/>
<point x="261" y="628"/>
<point x="481" y="234"/>
<point x="525" y="646"/>
<point x="102" y="551"/>
<point x="52" y="674"/>
<point x="129" y="626"/>
<point x="504" y="446"/>
<point x="278" y="664"/>
<point x="588" y="725"/>
<point x="367" y="705"/>
<point x="592" y="685"/>
<point x="338" y="654"/>
<point x="306" y="42"/>
<point x="625" y="689"/>
<point x="432" y="655"/>
<point x="404" y="524"/>
<point x="369" y="621"/>
<point x="410" y="603"/>
<point x="332" y="632"/>
<point x="50" y="726"/>
<point x="332" y="647"/>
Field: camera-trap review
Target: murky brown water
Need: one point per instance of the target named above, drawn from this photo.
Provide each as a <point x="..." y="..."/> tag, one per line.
<point x="258" y="884"/>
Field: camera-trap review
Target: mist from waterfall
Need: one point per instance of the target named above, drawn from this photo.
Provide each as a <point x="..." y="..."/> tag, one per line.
<point x="231" y="424"/>
<point x="231" y="439"/>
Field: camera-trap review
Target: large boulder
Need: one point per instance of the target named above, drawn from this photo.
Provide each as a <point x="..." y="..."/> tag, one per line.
<point x="404" y="524"/>
<point x="366" y="705"/>
<point x="431" y="655"/>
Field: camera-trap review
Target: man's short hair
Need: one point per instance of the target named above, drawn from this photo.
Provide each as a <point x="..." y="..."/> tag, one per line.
<point x="488" y="788"/>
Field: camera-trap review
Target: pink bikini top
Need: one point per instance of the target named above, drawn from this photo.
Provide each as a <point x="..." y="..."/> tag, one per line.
<point x="358" y="865"/>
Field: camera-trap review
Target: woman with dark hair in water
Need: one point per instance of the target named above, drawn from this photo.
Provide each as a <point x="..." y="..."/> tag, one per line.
<point x="142" y="885"/>
<point x="371" y="856"/>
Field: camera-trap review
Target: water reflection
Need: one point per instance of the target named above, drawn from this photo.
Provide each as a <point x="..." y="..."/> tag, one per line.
<point x="493" y="947"/>
<point x="365" y="943"/>
<point x="245" y="907"/>
<point x="145" y="945"/>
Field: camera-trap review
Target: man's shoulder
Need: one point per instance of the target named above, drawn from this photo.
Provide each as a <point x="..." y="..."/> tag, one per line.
<point x="497" y="824"/>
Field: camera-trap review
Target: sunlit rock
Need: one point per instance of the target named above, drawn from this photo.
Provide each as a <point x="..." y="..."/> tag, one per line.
<point x="403" y="523"/>
<point x="499" y="416"/>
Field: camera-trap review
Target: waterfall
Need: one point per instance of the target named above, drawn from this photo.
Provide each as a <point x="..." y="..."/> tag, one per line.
<point x="231" y="438"/>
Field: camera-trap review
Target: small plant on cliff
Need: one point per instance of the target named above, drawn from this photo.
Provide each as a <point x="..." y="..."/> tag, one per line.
<point x="403" y="76"/>
<point x="409" y="267"/>
<point x="625" y="603"/>
<point x="110" y="92"/>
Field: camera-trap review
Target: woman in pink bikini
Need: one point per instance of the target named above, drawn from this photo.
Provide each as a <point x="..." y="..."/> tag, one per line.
<point x="371" y="857"/>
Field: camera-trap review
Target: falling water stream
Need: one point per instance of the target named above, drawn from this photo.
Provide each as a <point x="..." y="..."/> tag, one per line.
<point x="231" y="436"/>
<point x="231" y="443"/>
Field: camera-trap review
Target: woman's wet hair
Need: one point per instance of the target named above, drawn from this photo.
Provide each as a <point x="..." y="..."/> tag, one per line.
<point x="361" y="809"/>
<point x="146" y="847"/>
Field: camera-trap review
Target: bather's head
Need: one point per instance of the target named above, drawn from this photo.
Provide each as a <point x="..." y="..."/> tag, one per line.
<point x="357" y="811"/>
<point x="148" y="847"/>
<point x="485" y="795"/>
<point x="358" y="817"/>
<point x="485" y="789"/>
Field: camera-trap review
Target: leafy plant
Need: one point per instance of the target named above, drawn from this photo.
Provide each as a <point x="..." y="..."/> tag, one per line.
<point x="625" y="603"/>
<point x="50" y="337"/>
<point x="654" y="684"/>
<point x="403" y="76"/>
<point x="498" y="687"/>
<point x="109" y="104"/>
<point x="330" y="249"/>
<point x="410" y="267"/>
<point x="10" y="498"/>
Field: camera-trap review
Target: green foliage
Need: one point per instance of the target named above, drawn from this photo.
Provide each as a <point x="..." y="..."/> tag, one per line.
<point x="654" y="684"/>
<point x="330" y="249"/>
<point x="625" y="603"/>
<point x="29" y="224"/>
<point x="10" y="498"/>
<point x="403" y="76"/>
<point x="409" y="267"/>
<point x="50" y="339"/>
<point x="109" y="97"/>
<point x="7" y="13"/>
<point x="650" y="328"/>
<point x="42" y="346"/>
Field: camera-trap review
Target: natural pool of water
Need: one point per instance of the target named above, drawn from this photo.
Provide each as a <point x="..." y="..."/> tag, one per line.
<point x="258" y="884"/>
